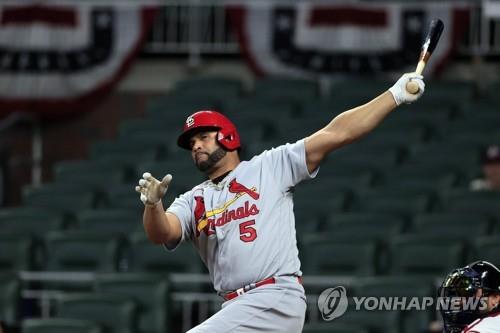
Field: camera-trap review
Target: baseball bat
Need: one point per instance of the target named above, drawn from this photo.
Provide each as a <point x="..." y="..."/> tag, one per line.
<point x="435" y="29"/>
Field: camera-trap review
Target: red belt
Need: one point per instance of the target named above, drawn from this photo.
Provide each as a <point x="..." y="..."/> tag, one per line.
<point x="241" y="291"/>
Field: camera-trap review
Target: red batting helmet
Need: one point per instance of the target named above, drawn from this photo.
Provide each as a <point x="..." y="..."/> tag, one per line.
<point x="227" y="134"/>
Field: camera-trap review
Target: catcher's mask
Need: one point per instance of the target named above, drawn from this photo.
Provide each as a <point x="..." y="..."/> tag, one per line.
<point x="479" y="279"/>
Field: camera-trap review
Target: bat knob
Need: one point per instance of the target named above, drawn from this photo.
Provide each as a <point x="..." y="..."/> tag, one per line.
<point x="412" y="87"/>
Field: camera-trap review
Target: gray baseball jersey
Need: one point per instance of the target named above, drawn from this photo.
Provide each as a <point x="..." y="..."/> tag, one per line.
<point x="244" y="226"/>
<point x="489" y="324"/>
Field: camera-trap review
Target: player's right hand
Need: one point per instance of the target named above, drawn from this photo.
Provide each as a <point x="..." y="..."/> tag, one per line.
<point x="151" y="189"/>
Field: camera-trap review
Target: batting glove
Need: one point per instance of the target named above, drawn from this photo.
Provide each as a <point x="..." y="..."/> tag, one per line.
<point x="399" y="92"/>
<point x="151" y="189"/>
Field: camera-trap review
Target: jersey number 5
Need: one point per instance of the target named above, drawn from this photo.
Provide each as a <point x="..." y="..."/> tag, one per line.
<point x="247" y="232"/>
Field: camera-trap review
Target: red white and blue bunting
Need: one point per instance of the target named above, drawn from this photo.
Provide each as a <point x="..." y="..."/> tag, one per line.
<point x="60" y="58"/>
<point x="364" y="38"/>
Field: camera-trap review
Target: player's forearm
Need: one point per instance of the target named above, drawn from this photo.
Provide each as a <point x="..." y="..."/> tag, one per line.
<point x="156" y="224"/>
<point x="355" y="123"/>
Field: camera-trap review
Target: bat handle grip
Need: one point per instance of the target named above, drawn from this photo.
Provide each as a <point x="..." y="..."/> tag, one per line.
<point x="412" y="86"/>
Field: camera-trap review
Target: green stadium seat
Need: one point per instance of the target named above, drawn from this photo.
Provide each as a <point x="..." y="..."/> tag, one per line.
<point x="449" y="92"/>
<point x="159" y="140"/>
<point x="30" y="220"/>
<point x="125" y="147"/>
<point x="331" y="169"/>
<point x="361" y="175"/>
<point x="480" y="105"/>
<point x="59" y="325"/>
<point x="314" y="201"/>
<point x="373" y="321"/>
<point x="254" y="148"/>
<point x="315" y="207"/>
<point x="407" y="186"/>
<point x="403" y="286"/>
<point x="375" y="226"/>
<point x="279" y="88"/>
<point x="358" y="257"/>
<point x="333" y="328"/>
<point x="461" y="160"/>
<point x="477" y="137"/>
<point x="257" y="133"/>
<point x="292" y="129"/>
<point x="262" y="115"/>
<point x="401" y="138"/>
<point x="124" y="197"/>
<point x="399" y="203"/>
<point x="109" y="221"/>
<point x="84" y="251"/>
<point x="324" y="108"/>
<point x="425" y="176"/>
<point x="377" y="160"/>
<point x="324" y="185"/>
<point x="258" y="109"/>
<point x="219" y="87"/>
<point x="150" y="292"/>
<point x="413" y="321"/>
<point x="96" y="175"/>
<point x="434" y="255"/>
<point x="475" y="122"/>
<point x="492" y="92"/>
<point x="19" y="252"/>
<point x="356" y="91"/>
<point x="464" y="201"/>
<point x="114" y="313"/>
<point x="10" y="299"/>
<point x="148" y="257"/>
<point x="487" y="248"/>
<point x="442" y="112"/>
<point x="175" y="108"/>
<point x="452" y="224"/>
<point x="134" y="128"/>
<point x="60" y="198"/>
<point x="418" y="129"/>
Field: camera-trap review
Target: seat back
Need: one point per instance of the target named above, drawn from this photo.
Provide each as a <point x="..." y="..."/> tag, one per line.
<point x="84" y="251"/>
<point x="149" y="291"/>
<point x="114" y="313"/>
<point x="59" y="325"/>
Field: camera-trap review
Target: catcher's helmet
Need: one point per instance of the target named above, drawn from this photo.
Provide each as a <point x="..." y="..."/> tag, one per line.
<point x="227" y="134"/>
<point x="479" y="279"/>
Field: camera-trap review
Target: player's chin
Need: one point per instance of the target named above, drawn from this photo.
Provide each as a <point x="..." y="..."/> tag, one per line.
<point x="198" y="156"/>
<point x="200" y="159"/>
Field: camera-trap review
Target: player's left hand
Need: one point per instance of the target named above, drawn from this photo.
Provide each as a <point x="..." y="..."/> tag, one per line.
<point x="399" y="92"/>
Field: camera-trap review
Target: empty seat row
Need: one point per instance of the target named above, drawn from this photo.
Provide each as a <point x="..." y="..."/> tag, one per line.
<point x="93" y="252"/>
<point x="411" y="254"/>
<point x="131" y="303"/>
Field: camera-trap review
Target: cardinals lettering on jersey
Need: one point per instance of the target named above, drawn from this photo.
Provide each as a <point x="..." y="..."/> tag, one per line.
<point x="206" y="221"/>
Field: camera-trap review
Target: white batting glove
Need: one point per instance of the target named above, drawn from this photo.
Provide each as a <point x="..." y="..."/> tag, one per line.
<point x="151" y="189"/>
<point x="399" y="92"/>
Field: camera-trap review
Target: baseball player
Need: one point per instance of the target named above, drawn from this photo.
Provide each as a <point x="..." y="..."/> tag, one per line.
<point x="480" y="279"/>
<point x="241" y="219"/>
